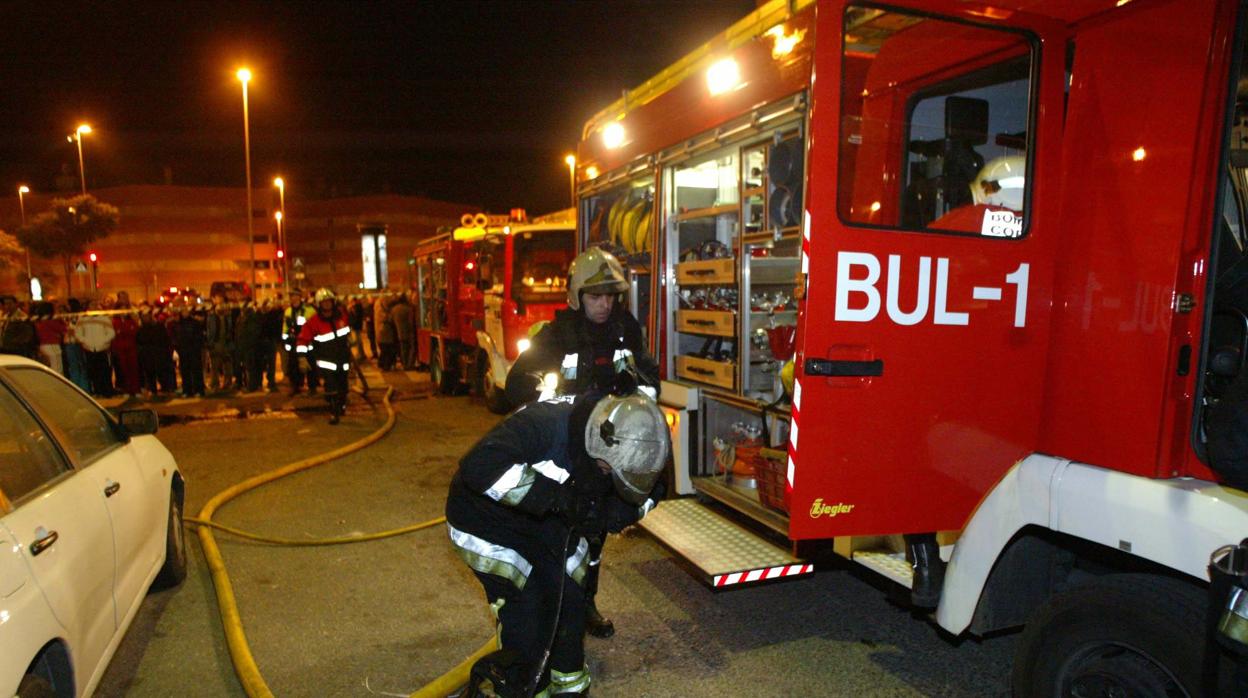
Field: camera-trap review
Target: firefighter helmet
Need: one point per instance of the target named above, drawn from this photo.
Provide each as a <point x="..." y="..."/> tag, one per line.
<point x="630" y="434"/>
<point x="1000" y="182"/>
<point x="324" y="294"/>
<point x="594" y="271"/>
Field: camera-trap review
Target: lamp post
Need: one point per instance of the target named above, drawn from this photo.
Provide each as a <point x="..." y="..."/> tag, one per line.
<point x="76" y="136"/>
<point x="244" y="76"/>
<point x="22" y="191"/>
<point x="281" y="230"/>
<point x="281" y="251"/>
<point x="571" y="160"/>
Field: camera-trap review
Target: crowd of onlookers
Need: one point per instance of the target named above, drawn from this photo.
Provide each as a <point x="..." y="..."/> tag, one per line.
<point x="109" y="346"/>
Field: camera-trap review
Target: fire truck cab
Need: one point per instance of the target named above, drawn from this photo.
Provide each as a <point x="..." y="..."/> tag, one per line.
<point x="482" y="287"/>
<point x="1003" y="245"/>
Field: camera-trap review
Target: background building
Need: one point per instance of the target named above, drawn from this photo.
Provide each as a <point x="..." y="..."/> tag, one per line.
<point x="191" y="237"/>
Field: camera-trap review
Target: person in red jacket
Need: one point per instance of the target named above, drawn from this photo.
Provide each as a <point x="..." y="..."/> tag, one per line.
<point x="326" y="337"/>
<point x="125" y="347"/>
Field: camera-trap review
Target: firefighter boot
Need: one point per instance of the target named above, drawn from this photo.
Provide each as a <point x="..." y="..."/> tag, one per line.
<point x="499" y="674"/>
<point x="929" y="569"/>
<point x="595" y="624"/>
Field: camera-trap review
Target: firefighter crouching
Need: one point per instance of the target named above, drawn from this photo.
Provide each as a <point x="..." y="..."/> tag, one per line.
<point x="325" y="343"/>
<point x="293" y="320"/>
<point x="521" y="506"/>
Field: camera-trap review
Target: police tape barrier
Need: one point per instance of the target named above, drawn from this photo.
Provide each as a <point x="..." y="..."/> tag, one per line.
<point x="240" y="652"/>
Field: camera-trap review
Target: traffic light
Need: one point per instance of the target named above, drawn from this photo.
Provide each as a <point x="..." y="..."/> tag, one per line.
<point x="93" y="257"/>
<point x="281" y="254"/>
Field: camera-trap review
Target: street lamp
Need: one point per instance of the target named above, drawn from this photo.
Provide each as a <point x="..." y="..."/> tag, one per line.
<point x="281" y="229"/>
<point x="22" y="191"/>
<point x="244" y="76"/>
<point x="571" y="160"/>
<point x="76" y="136"/>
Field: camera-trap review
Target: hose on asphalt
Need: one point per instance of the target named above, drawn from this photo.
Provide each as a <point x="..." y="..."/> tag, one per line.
<point x="240" y="651"/>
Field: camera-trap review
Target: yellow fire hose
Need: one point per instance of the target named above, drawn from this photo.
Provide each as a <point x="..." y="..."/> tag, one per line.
<point x="240" y="652"/>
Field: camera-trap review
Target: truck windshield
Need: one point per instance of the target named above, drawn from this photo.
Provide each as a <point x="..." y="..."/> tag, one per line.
<point x="541" y="265"/>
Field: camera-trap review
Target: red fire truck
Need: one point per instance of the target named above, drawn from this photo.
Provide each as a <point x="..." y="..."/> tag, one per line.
<point x="1003" y="245"/>
<point x="481" y="287"/>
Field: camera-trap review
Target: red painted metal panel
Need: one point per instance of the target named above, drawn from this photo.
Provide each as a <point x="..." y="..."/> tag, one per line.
<point x="1142" y="130"/>
<point x="690" y="109"/>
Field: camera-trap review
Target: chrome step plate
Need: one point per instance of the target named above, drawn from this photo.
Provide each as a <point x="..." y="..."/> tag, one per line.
<point x="724" y="552"/>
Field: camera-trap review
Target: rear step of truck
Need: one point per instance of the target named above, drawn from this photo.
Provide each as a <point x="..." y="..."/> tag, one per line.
<point x="888" y="564"/>
<point x="893" y="564"/>
<point x="723" y="552"/>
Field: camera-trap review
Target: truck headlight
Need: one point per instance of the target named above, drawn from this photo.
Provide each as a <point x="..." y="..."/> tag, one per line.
<point x="523" y="344"/>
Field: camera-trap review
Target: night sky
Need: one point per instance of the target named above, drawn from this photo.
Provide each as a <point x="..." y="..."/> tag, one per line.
<point x="474" y="102"/>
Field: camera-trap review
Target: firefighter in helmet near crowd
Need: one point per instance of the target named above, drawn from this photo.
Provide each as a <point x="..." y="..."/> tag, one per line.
<point x="586" y="346"/>
<point x="325" y="342"/>
<point x="521" y="509"/>
<point x="293" y="320"/>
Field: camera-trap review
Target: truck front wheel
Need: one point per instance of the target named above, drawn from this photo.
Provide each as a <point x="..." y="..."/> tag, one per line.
<point x="443" y="379"/>
<point x="1120" y="635"/>
<point x="495" y="398"/>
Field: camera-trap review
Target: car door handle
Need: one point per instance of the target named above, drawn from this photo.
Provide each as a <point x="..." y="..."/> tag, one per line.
<point x="44" y="541"/>
<point x="829" y="367"/>
<point x="111" y="489"/>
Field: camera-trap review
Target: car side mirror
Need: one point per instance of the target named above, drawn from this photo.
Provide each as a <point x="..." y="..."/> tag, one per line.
<point x="139" y="422"/>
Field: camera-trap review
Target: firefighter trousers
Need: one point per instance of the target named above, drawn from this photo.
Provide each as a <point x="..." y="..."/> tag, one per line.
<point x="336" y="383"/>
<point x="526" y="617"/>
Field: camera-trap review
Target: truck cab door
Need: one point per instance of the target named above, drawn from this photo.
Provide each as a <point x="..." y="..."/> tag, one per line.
<point x="927" y="270"/>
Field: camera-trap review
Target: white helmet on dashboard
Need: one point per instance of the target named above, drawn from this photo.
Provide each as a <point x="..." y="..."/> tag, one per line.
<point x="1001" y="182"/>
<point x="594" y="271"/>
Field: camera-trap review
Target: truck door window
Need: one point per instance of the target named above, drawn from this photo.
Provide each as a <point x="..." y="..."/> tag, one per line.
<point x="936" y="117"/>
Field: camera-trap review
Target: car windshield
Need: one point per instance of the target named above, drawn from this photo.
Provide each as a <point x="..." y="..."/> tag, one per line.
<point x="541" y="265"/>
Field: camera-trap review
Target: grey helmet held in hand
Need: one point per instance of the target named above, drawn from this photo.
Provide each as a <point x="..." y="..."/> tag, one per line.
<point x="630" y="434"/>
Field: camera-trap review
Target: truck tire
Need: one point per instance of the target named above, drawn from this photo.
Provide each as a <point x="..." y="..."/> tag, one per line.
<point x="174" y="570"/>
<point x="494" y="396"/>
<point x="444" y="381"/>
<point x="1124" y="634"/>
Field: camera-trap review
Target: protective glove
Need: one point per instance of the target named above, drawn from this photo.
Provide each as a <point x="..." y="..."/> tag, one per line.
<point x="624" y="383"/>
<point x="304" y="366"/>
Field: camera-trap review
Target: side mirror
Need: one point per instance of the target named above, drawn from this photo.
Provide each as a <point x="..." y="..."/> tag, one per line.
<point x="139" y="422"/>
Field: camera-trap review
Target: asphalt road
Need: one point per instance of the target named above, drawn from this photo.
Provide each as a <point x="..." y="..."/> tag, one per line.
<point x="385" y="617"/>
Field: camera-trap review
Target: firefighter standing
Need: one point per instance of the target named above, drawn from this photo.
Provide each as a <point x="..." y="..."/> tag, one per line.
<point x="521" y="507"/>
<point x="325" y="342"/>
<point x="586" y="346"/>
<point x="293" y="320"/>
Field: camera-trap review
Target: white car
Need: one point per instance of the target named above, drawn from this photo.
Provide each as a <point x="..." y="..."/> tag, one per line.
<point x="90" y="518"/>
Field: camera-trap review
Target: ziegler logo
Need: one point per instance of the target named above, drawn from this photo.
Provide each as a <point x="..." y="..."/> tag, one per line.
<point x="818" y="508"/>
